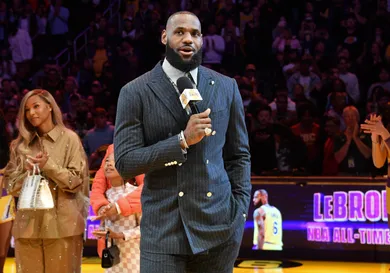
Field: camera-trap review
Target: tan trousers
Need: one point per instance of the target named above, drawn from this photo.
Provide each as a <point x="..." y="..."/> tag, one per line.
<point x="49" y="255"/>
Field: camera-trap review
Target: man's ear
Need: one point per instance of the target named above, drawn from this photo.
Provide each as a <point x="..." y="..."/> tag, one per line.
<point x="164" y="37"/>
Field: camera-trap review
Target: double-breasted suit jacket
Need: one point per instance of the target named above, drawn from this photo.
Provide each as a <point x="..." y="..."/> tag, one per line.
<point x="191" y="201"/>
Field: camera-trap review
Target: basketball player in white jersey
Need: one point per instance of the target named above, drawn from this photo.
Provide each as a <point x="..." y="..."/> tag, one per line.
<point x="256" y="202"/>
<point x="269" y="223"/>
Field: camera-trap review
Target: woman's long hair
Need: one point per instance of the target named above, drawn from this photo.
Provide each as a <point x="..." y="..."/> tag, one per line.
<point x="20" y="147"/>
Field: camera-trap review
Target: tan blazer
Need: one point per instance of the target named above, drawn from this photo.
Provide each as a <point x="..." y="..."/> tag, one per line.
<point x="67" y="173"/>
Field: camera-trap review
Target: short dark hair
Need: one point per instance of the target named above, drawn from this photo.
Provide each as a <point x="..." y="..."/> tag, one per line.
<point x="179" y="13"/>
<point x="305" y="107"/>
<point x="99" y="112"/>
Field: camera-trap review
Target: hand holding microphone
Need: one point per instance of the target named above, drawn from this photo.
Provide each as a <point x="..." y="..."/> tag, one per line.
<point x="199" y="124"/>
<point x="197" y="127"/>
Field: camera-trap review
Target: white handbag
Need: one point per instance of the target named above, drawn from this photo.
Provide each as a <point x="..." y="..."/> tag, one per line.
<point x="35" y="193"/>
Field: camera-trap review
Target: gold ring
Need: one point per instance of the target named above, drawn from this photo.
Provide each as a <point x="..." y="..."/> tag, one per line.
<point x="207" y="131"/>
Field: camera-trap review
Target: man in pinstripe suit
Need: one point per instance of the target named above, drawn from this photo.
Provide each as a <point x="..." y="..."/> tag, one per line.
<point x="197" y="187"/>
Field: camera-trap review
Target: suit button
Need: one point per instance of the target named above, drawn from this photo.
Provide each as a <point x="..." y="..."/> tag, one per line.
<point x="244" y="215"/>
<point x="181" y="194"/>
<point x="207" y="161"/>
<point x="209" y="194"/>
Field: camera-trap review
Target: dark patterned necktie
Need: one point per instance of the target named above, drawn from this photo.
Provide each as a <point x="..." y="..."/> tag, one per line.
<point x="188" y="75"/>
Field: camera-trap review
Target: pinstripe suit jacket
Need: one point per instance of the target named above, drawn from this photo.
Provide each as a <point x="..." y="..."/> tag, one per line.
<point x="195" y="201"/>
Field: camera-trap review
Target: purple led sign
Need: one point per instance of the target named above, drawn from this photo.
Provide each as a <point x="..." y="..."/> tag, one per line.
<point x="355" y="206"/>
<point x="344" y="207"/>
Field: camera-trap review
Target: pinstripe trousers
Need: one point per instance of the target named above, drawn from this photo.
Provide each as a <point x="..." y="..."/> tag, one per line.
<point x="219" y="259"/>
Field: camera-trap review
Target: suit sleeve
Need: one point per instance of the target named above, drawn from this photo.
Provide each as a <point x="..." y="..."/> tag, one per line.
<point x="236" y="152"/>
<point x="132" y="156"/>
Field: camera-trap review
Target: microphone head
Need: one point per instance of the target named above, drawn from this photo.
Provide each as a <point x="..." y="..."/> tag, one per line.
<point x="184" y="83"/>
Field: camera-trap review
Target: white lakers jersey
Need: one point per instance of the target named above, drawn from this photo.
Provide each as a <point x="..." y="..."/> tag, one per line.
<point x="272" y="228"/>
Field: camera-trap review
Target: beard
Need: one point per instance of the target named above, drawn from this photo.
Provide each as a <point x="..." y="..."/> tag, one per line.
<point x="183" y="65"/>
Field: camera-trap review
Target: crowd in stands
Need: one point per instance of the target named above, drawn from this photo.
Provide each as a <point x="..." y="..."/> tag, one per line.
<point x="309" y="72"/>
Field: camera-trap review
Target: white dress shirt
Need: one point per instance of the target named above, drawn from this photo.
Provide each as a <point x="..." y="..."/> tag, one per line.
<point x="174" y="73"/>
<point x="21" y="46"/>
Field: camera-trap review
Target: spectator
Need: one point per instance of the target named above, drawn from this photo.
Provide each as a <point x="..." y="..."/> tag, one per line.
<point x="101" y="134"/>
<point x="53" y="81"/>
<point x="58" y="24"/>
<point x="338" y="100"/>
<point x="384" y="81"/>
<point x="350" y="80"/>
<point x="309" y="132"/>
<point x="84" y="119"/>
<point x="213" y="48"/>
<point x="246" y="14"/>
<point x="231" y="34"/>
<point x="11" y="122"/>
<point x="20" y="46"/>
<point x="284" y="41"/>
<point x="261" y="141"/>
<point x="28" y="21"/>
<point x="352" y="39"/>
<point x="128" y="29"/>
<point x="306" y="78"/>
<point x="352" y="149"/>
<point x="282" y="113"/>
<point x="99" y="56"/>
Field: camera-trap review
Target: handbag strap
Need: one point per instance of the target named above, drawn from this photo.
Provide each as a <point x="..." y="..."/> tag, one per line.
<point x="112" y="240"/>
<point x="36" y="169"/>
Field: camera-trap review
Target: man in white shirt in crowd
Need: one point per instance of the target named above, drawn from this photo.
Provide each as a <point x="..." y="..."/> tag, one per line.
<point x="213" y="48"/>
<point x="350" y="80"/>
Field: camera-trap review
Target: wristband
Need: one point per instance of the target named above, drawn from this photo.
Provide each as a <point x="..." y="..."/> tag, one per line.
<point x="182" y="138"/>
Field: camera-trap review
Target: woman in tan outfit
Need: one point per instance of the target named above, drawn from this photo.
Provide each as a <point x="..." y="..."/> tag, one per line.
<point x="48" y="240"/>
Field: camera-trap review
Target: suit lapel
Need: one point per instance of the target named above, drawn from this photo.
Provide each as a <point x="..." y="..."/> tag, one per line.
<point x="166" y="92"/>
<point x="205" y="88"/>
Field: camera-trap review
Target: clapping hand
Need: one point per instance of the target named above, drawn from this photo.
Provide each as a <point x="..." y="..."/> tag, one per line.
<point x="374" y="126"/>
<point x="40" y="159"/>
<point x="108" y="210"/>
<point x="355" y="132"/>
<point x="349" y="134"/>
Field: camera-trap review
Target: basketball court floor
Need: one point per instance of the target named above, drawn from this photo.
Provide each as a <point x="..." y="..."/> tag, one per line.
<point x="92" y="265"/>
